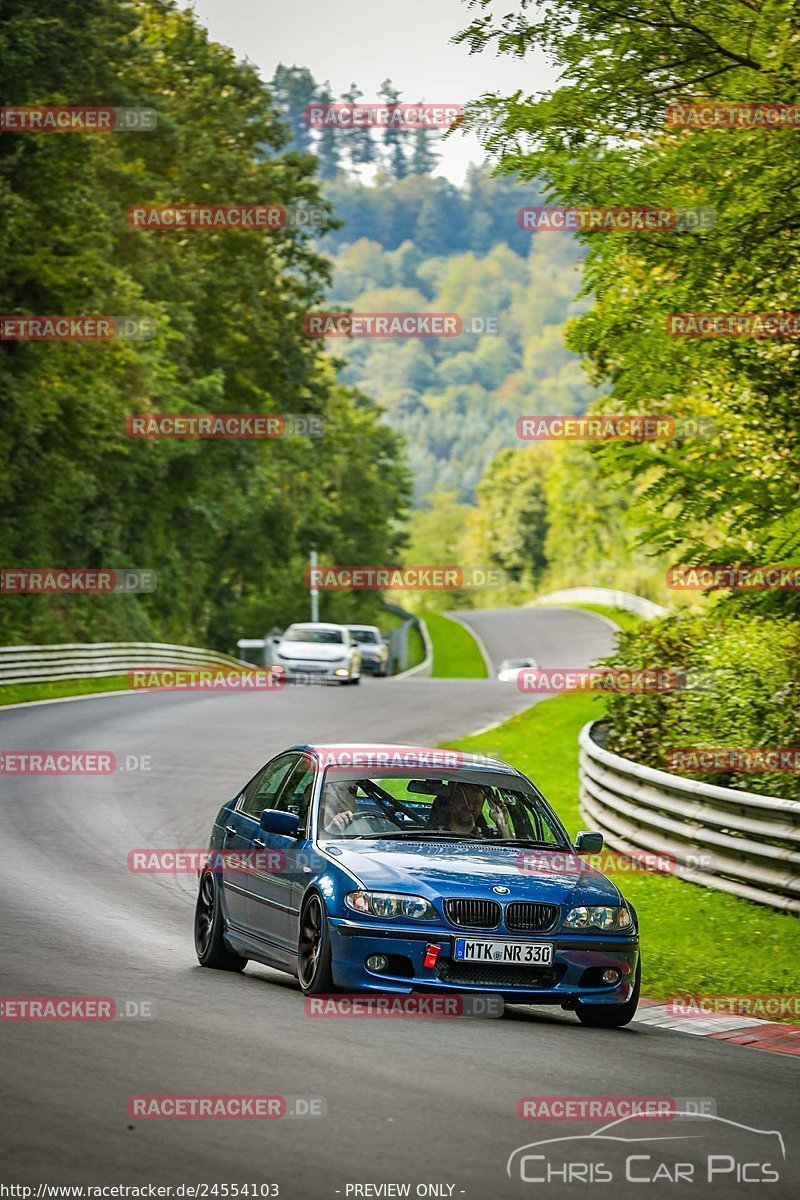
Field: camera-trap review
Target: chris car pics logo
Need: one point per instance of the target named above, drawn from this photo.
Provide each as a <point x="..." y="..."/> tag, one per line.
<point x="695" y="1148"/>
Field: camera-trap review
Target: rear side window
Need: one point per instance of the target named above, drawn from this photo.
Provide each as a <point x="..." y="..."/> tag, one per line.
<point x="262" y="791"/>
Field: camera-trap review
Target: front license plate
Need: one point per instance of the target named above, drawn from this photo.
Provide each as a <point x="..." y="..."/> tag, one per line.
<point x="484" y="950"/>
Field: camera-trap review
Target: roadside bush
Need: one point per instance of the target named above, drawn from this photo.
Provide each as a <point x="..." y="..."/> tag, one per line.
<point x="747" y="669"/>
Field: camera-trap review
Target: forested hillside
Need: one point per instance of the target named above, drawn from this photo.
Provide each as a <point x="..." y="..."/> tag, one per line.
<point x="409" y="240"/>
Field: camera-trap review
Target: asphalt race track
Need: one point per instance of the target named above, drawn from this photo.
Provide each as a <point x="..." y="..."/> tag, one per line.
<point x="407" y="1101"/>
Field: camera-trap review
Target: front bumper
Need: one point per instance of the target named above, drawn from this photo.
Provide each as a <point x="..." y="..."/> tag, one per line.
<point x="575" y="974"/>
<point x="373" y="666"/>
<point x="298" y="671"/>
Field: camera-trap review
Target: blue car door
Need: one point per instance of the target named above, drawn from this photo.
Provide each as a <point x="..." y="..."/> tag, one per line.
<point x="242" y="831"/>
<point x="271" y="890"/>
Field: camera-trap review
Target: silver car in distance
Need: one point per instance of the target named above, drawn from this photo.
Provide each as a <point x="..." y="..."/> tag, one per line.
<point x="318" y="651"/>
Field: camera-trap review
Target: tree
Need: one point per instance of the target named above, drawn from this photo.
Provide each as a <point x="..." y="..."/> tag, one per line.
<point x="394" y="137"/>
<point x="225" y="524"/>
<point x="512" y="502"/>
<point x="423" y="157"/>
<point x="360" y="143"/>
<point x="328" y="144"/>
<point x="293" y="89"/>
<point x="601" y="138"/>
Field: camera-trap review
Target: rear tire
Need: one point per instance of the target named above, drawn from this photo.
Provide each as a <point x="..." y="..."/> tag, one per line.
<point x="314" y="949"/>
<point x="208" y="942"/>
<point x="611" y="1016"/>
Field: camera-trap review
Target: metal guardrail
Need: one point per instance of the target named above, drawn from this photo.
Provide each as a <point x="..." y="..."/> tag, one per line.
<point x="397" y="641"/>
<point x="738" y="842"/>
<point x="43" y="664"/>
<point x="614" y="599"/>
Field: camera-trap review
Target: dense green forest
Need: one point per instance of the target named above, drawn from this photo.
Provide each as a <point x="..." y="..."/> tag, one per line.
<point x="227" y="525"/>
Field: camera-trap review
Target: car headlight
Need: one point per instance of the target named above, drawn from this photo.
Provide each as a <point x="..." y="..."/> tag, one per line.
<point x="602" y="916"/>
<point x="391" y="904"/>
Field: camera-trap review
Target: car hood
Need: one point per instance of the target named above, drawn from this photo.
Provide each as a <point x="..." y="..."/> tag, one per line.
<point x="432" y="869"/>
<point x="313" y="651"/>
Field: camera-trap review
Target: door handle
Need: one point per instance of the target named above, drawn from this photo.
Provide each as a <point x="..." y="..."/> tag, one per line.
<point x="231" y="829"/>
<point x="258" y="842"/>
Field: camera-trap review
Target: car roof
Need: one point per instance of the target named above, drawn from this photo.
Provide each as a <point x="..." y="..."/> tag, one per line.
<point x="467" y="761"/>
<point x="316" y="625"/>
<point x="375" y="627"/>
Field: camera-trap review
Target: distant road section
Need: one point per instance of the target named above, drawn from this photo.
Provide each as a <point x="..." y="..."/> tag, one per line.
<point x="555" y="637"/>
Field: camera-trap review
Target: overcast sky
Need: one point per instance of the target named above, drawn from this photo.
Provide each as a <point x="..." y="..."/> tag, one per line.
<point x="367" y="41"/>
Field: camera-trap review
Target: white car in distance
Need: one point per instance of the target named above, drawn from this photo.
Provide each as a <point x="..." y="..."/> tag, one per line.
<point x="320" y="651"/>
<point x="511" y="667"/>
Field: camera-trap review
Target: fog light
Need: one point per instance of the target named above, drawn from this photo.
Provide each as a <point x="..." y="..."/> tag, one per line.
<point x="377" y="962"/>
<point x="341" y="671"/>
<point x="611" y="975"/>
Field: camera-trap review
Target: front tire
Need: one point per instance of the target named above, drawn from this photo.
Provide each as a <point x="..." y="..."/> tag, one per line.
<point x="314" y="949"/>
<point x="611" y="1016"/>
<point x="208" y="942"/>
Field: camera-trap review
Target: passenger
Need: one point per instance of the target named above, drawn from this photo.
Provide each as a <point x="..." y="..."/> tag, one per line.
<point x="339" y="810"/>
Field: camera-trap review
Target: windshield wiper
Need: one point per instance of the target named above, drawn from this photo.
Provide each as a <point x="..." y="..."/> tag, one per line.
<point x="406" y="833"/>
<point x="527" y="842"/>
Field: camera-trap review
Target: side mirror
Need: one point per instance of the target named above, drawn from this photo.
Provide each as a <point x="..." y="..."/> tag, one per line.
<point x="275" y="821"/>
<point x="589" y="843"/>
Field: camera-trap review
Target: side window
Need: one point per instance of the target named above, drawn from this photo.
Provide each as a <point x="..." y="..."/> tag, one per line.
<point x="296" y="794"/>
<point x="262" y="790"/>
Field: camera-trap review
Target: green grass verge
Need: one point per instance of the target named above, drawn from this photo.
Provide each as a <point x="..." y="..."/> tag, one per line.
<point x="620" y="616"/>
<point x="694" y="940"/>
<point x="455" y="651"/>
<point x="16" y="693"/>
<point x="416" y="648"/>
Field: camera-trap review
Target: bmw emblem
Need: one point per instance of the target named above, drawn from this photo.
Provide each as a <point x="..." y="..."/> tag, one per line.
<point x="501" y="891"/>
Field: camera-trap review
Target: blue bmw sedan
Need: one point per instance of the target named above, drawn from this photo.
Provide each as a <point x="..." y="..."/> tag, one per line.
<point x="400" y="869"/>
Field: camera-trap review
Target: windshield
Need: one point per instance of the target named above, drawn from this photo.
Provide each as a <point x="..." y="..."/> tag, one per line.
<point x="307" y="633"/>
<point x="443" y="809"/>
<point x="365" y="635"/>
